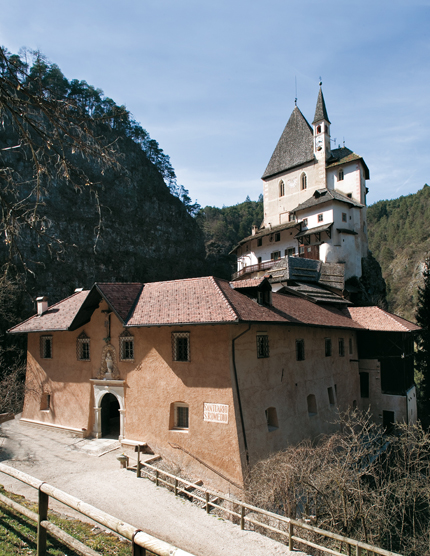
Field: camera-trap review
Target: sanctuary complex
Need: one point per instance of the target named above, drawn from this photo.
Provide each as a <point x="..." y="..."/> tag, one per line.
<point x="214" y="375"/>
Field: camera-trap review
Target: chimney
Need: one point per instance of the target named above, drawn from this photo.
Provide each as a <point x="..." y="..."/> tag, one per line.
<point x="254" y="230"/>
<point x="42" y="304"/>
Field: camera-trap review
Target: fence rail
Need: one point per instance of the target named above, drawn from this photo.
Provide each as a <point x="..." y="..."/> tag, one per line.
<point x="141" y="542"/>
<point x="246" y="513"/>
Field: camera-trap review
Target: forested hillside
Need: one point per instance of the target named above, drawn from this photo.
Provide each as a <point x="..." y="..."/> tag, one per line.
<point x="399" y="238"/>
<point x="223" y="228"/>
<point x="85" y="195"/>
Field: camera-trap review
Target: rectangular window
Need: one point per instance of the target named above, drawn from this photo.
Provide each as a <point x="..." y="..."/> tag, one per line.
<point x="259" y="242"/>
<point x="45" y="402"/>
<point x="291" y="217"/>
<point x="344" y="218"/>
<point x="320" y="218"/>
<point x="278" y="236"/>
<point x="262" y="345"/>
<point x="181" y="346"/>
<point x="83" y="347"/>
<point x="46" y="347"/>
<point x="126" y="346"/>
<point x="259" y="260"/>
<point x="300" y="350"/>
<point x="290" y="252"/>
<point x="301" y="249"/>
<point x="275" y="255"/>
<point x="328" y="347"/>
<point x="181" y="417"/>
<point x="341" y="347"/>
<point x="364" y="385"/>
<point x="305" y="222"/>
<point x="330" y="395"/>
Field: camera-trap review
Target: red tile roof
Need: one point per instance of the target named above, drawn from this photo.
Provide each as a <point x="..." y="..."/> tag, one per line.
<point x="374" y="318"/>
<point x="196" y="300"/>
<point x="57" y="317"/>
<point x="121" y="297"/>
<point x="206" y="300"/>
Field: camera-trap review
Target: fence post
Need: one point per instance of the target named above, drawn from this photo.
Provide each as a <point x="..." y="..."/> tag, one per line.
<point x="176" y="487"/>
<point x="290" y="536"/>
<point x="138" y="461"/>
<point x="42" y="516"/>
<point x="242" y="517"/>
<point x="207" y="502"/>
<point x="156" y="478"/>
<point x="359" y="550"/>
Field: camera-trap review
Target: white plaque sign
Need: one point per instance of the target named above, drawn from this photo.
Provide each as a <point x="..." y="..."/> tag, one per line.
<point x="215" y="412"/>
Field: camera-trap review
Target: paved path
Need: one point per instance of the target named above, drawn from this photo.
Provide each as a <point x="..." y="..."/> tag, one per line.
<point x="67" y="464"/>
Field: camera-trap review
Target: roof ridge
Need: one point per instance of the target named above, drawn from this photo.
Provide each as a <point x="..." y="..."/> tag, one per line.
<point x="222" y="294"/>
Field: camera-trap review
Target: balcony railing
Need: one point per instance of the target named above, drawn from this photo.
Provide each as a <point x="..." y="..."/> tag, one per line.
<point x="254" y="268"/>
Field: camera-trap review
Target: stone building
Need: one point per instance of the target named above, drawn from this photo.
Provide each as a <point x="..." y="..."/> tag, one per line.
<point x="314" y="201"/>
<point x="212" y="375"/>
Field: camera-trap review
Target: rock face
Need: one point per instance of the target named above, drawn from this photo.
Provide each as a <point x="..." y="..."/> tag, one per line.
<point x="129" y="228"/>
<point x="370" y="289"/>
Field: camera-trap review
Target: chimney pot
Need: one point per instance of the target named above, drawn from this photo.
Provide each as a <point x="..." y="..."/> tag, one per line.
<point x="254" y="230"/>
<point x="42" y="304"/>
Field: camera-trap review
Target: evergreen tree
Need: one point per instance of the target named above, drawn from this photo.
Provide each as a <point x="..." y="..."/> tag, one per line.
<point x="422" y="316"/>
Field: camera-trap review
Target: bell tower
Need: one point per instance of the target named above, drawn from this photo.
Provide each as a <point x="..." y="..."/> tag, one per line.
<point x="321" y="129"/>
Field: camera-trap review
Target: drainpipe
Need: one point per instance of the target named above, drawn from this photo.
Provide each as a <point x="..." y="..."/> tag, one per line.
<point x="237" y="390"/>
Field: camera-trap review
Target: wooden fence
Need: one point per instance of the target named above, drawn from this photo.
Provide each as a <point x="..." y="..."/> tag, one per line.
<point x="141" y="542"/>
<point x="294" y="531"/>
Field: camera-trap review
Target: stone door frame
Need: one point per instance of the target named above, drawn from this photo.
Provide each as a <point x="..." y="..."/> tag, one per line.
<point x="102" y="387"/>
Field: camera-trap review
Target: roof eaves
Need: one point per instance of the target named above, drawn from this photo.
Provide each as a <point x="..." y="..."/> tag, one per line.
<point x="266" y="176"/>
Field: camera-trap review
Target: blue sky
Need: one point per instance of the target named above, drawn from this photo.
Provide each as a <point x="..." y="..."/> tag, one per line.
<point x="214" y="82"/>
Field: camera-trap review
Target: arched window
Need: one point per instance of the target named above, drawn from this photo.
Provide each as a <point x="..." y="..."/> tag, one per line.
<point x="303" y="181"/>
<point x="319" y="129"/>
<point x="179" y="416"/>
<point x="281" y="188"/>
<point x="126" y="346"/>
<point x="312" y="405"/>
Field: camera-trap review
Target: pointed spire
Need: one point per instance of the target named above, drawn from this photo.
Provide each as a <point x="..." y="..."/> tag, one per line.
<point x="320" y="110"/>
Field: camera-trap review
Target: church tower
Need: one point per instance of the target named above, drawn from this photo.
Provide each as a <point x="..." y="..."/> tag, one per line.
<point x="321" y="132"/>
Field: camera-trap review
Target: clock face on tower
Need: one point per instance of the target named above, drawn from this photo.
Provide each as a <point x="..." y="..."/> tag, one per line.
<point x="319" y="143"/>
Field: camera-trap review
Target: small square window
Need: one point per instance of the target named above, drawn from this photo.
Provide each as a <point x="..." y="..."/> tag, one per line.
<point x="126" y="346"/>
<point x="179" y="415"/>
<point x="344" y="217"/>
<point x="349" y="195"/>
<point x="328" y="347"/>
<point x="320" y="218"/>
<point x="46" y="347"/>
<point x="305" y="221"/>
<point x="341" y="347"/>
<point x="300" y="350"/>
<point x="278" y="236"/>
<point x="262" y="345"/>
<point x="181" y="346"/>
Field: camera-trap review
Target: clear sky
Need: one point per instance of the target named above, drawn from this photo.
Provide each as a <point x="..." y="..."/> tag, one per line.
<point x="214" y="82"/>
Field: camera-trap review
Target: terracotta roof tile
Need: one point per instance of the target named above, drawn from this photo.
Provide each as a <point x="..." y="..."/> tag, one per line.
<point x="57" y="317"/>
<point x="374" y="318"/>
<point x="121" y="297"/>
<point x="196" y="300"/>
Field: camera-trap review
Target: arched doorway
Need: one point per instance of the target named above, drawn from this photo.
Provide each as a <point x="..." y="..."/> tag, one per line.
<point x="110" y="419"/>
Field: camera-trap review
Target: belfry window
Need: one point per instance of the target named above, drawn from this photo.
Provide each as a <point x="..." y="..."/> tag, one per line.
<point x="281" y="188"/>
<point x="303" y="181"/>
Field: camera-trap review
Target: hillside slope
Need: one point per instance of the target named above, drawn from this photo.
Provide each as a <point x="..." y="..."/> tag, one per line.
<point x="399" y="238"/>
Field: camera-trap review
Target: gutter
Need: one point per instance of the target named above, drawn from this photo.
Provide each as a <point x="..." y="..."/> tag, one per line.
<point x="238" y="391"/>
